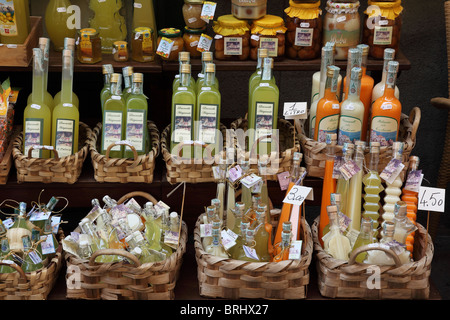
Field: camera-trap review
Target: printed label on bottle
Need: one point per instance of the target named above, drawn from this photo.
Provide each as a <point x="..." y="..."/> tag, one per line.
<point x="48" y="247"/>
<point x="349" y="129"/>
<point x="304" y="37"/>
<point x="183" y="123"/>
<point x="263" y="120"/>
<point x="8" y="26"/>
<point x="34" y="131"/>
<point x="382" y="35"/>
<point x="384" y="130"/>
<point x="208" y="123"/>
<point x="327" y="125"/>
<point x="112" y="129"/>
<point x="204" y="43"/>
<point x="271" y="44"/>
<point x="86" y="46"/>
<point x="233" y="46"/>
<point x="64" y="137"/>
<point x="135" y="131"/>
<point x="341" y="38"/>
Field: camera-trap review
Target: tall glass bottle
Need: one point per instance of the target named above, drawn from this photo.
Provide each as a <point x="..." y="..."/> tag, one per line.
<point x="337" y="245"/>
<point x="144" y="15"/>
<point x="335" y="200"/>
<point x="15" y="27"/>
<point x="378" y="89"/>
<point x="393" y="190"/>
<point x="127" y="73"/>
<point x="328" y="107"/>
<point x="48" y="232"/>
<point x="355" y="191"/>
<point x="342" y="184"/>
<point x="367" y="84"/>
<point x="66" y="117"/>
<point x="246" y="193"/>
<point x="184" y="57"/>
<point x="107" y="70"/>
<point x="263" y="236"/>
<point x="365" y="237"/>
<point x="207" y="57"/>
<point x="37" y="115"/>
<point x="410" y="197"/>
<point x="56" y="22"/>
<point x="256" y="76"/>
<point x="263" y="172"/>
<point x="137" y="112"/>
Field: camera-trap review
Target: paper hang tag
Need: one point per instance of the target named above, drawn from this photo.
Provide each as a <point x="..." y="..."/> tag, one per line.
<point x="250" y="180"/>
<point x="414" y="180"/>
<point x="39" y="216"/>
<point x="204" y="43"/>
<point x="338" y="162"/>
<point x="55" y="223"/>
<point x="8" y="223"/>
<point x="257" y="187"/>
<point x="47" y="245"/>
<point x="208" y="11"/>
<point x="295" y="110"/>
<point x="349" y="169"/>
<point x="392" y="170"/>
<point x="431" y="199"/>
<point x="283" y="179"/>
<point x="171" y="238"/>
<point x="206" y="230"/>
<point x="250" y="253"/>
<point x="235" y="173"/>
<point x="228" y="238"/>
<point x="298" y="194"/>
<point x="295" y="251"/>
<point x="165" y="47"/>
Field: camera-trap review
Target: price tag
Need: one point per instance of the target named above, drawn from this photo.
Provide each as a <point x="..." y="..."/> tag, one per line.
<point x="295" y="110"/>
<point x="251" y="180"/>
<point x="431" y="199"/>
<point x="283" y="179"/>
<point x="228" y="239"/>
<point x="205" y="230"/>
<point x="204" y="44"/>
<point x="392" y="170"/>
<point x="235" y="173"/>
<point x="295" y="251"/>
<point x="298" y="194"/>
<point x="208" y="10"/>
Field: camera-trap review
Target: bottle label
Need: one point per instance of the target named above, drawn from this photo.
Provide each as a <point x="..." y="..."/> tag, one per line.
<point x="271" y="44"/>
<point x="233" y="46"/>
<point x="349" y="129"/>
<point x="86" y="46"/>
<point x="342" y="38"/>
<point x="47" y="246"/>
<point x="64" y="137"/>
<point x="8" y="24"/>
<point x="204" y="43"/>
<point x="136" y="120"/>
<point x="327" y="125"/>
<point x="382" y="36"/>
<point x="264" y="120"/>
<point x="182" y="130"/>
<point x="384" y="130"/>
<point x="112" y="129"/>
<point x="304" y="37"/>
<point x="250" y="253"/>
<point x="165" y="47"/>
<point x="33" y="136"/>
<point x="208" y="123"/>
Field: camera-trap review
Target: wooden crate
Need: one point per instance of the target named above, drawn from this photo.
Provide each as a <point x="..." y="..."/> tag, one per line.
<point x="20" y="55"/>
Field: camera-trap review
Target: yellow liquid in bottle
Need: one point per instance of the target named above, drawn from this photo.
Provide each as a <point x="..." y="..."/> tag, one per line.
<point x="56" y="21"/>
<point x="14" y="21"/>
<point x="372" y="189"/>
<point x="144" y="16"/>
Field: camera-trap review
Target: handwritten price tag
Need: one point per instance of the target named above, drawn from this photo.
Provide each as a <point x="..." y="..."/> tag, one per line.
<point x="295" y="110"/>
<point x="431" y="199"/>
<point x="298" y="194"/>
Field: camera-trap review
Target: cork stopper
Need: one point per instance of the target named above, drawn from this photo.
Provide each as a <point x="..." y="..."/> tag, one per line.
<point x="335" y="199"/>
<point x="186" y="68"/>
<point x="107" y="68"/>
<point x="364" y="49"/>
<point x="414" y="162"/>
<point x="331" y="138"/>
<point x="138" y="77"/>
<point x="389" y="54"/>
<point x="184" y="56"/>
<point x="210" y="67"/>
<point x="397" y="148"/>
<point x="43" y="41"/>
<point x="354" y="53"/>
<point x="207" y="56"/>
<point x="389" y="228"/>
<point x="297" y="156"/>
<point x="375" y="147"/>
<point x="263" y="53"/>
<point x="348" y="148"/>
<point x="393" y="66"/>
<point x="332" y="212"/>
<point x="366" y="224"/>
<point x="115" y="77"/>
<point x="400" y="209"/>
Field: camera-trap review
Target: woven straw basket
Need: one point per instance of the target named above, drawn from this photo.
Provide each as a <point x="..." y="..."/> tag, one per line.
<point x="342" y="279"/>
<point x="34" y="285"/>
<point x="235" y="279"/>
<point x="121" y="170"/>
<point x="187" y="170"/>
<point x="63" y="170"/>
<point x="121" y="280"/>
<point x="7" y="160"/>
<point x="287" y="146"/>
<point x="315" y="152"/>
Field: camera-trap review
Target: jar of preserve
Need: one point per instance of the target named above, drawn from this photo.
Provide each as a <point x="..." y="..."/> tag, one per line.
<point x="268" y="33"/>
<point x="120" y="51"/>
<point x="191" y="38"/>
<point x="192" y="10"/>
<point x="89" y="46"/>
<point x="249" y="9"/>
<point x="304" y="30"/>
<point x="174" y="35"/>
<point x="342" y="26"/>
<point x="382" y="26"/>
<point x="232" y="39"/>
<point x="142" y="45"/>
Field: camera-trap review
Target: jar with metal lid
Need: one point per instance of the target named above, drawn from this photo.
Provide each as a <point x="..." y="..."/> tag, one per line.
<point x="192" y="10"/>
<point x="304" y="30"/>
<point x="382" y="26"/>
<point x="89" y="46"/>
<point x="268" y="33"/>
<point x="142" y="45"/>
<point x="120" y="51"/>
<point x="232" y="39"/>
<point x="249" y="9"/>
<point x="342" y="26"/>
<point x="174" y="35"/>
<point x="191" y="38"/>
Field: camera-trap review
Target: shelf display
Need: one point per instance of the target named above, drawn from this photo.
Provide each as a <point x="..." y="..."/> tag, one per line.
<point x="56" y="23"/>
<point x="191" y="39"/>
<point x="69" y="44"/>
<point x="192" y="10"/>
<point x="176" y="43"/>
<point x="232" y="39"/>
<point x="14" y="21"/>
<point x="89" y="46"/>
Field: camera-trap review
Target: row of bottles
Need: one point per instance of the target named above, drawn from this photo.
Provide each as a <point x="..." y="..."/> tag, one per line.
<point x="124" y="113"/>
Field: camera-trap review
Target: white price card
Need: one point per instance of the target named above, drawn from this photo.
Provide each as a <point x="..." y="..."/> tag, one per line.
<point x="295" y="110"/>
<point x="431" y="199"/>
<point x="298" y="194"/>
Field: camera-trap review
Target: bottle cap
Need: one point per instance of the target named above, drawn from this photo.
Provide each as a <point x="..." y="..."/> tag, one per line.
<point x="356" y="74"/>
<point x="364" y="49"/>
<point x="107" y="68"/>
<point x="207" y="56"/>
<point x="332" y="212"/>
<point x="400" y="209"/>
<point x="389" y="228"/>
<point x="184" y="56"/>
<point x="115" y="77"/>
<point x="414" y="162"/>
<point x="331" y="138"/>
<point x="366" y="224"/>
<point x="215" y="202"/>
<point x="287" y="226"/>
<point x="185" y="68"/>
<point x="43" y="41"/>
<point x="393" y="66"/>
<point x="138" y="77"/>
<point x="210" y="67"/>
<point x="69" y="42"/>
<point x="389" y="54"/>
<point x="335" y="199"/>
<point x="397" y="148"/>
<point x="286" y="236"/>
<point x="127" y="71"/>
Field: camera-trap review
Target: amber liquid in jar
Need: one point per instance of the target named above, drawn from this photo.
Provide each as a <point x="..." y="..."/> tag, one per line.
<point x="384" y="33"/>
<point x="89" y="46"/>
<point x="142" y="45"/>
<point x="308" y="45"/>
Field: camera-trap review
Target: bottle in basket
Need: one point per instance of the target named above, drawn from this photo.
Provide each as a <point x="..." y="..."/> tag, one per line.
<point x="31" y="259"/>
<point x="337" y="245"/>
<point x="4" y="256"/>
<point x="235" y="251"/>
<point x="410" y="196"/>
<point x="403" y="226"/>
<point x="342" y="184"/>
<point x="263" y="234"/>
<point x="95" y="242"/>
<point x="365" y="237"/>
<point x="215" y="248"/>
<point x="393" y="190"/>
<point x="21" y="227"/>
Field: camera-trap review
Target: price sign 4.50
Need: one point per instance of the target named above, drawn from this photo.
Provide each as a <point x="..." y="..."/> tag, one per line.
<point x="431" y="199"/>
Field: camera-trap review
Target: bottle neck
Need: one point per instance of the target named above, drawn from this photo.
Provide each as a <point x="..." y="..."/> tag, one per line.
<point x="67" y="81"/>
<point x="374" y="159"/>
<point x="210" y="79"/>
<point x="116" y="89"/>
<point x="38" y="83"/>
<point x="185" y="78"/>
<point x="385" y="70"/>
<point x="137" y="88"/>
<point x="389" y="88"/>
<point x="330" y="88"/>
<point x="354" y="89"/>
<point x="266" y="73"/>
<point x="107" y="80"/>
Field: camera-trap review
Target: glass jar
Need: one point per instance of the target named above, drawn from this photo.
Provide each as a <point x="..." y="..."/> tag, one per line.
<point x="120" y="51"/>
<point x="142" y="45"/>
<point x="268" y="33"/>
<point x="192" y="10"/>
<point x="342" y="26"/>
<point x="249" y="9"/>
<point x="89" y="46"/>
<point x="191" y="38"/>
<point x="382" y="27"/>
<point x="304" y="30"/>
<point x="178" y="43"/>
<point x="232" y="39"/>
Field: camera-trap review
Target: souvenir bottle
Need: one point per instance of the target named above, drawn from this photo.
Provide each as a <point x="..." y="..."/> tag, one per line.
<point x="365" y="237"/>
<point x="342" y="184"/>
<point x="338" y="245"/>
<point x="411" y="198"/>
<point x="393" y="190"/>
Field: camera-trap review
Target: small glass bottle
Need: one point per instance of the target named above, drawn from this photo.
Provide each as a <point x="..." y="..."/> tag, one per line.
<point x="283" y="253"/>
<point x="249" y="243"/>
<point x="84" y="250"/>
<point x="338" y="245"/>
<point x="239" y="212"/>
<point x="246" y="193"/>
<point x="235" y="250"/>
<point x="48" y="231"/>
<point x="342" y="184"/>
<point x="215" y="248"/>
<point x="95" y="242"/>
<point x="403" y="226"/>
<point x="262" y="236"/>
<point x="365" y="237"/>
<point x="411" y="198"/>
<point x="109" y="202"/>
<point x="31" y="259"/>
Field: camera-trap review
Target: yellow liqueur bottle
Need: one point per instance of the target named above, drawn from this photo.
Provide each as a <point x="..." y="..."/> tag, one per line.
<point x="66" y="117"/>
<point x="184" y="57"/>
<point x="365" y="237"/>
<point x="256" y="76"/>
<point x="342" y="184"/>
<point x="107" y="70"/>
<point x="144" y="15"/>
<point x="207" y="57"/>
<point x="127" y="72"/>
<point x="14" y="21"/>
<point x="355" y="191"/>
<point x="56" y="22"/>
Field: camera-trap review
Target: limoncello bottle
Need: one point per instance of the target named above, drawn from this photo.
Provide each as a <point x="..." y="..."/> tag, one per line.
<point x="127" y="72"/>
<point x="107" y="70"/>
<point x="15" y="22"/>
<point x="137" y="110"/>
<point x="249" y="243"/>
<point x="235" y="250"/>
<point x="184" y="57"/>
<point x="95" y="242"/>
<point x="56" y="22"/>
<point x="355" y="191"/>
<point x="207" y="57"/>
<point x="144" y="15"/>
<point x="378" y="89"/>
<point x="263" y="236"/>
<point x="66" y="117"/>
<point x="37" y="115"/>
<point x="335" y="200"/>
<point x="393" y="190"/>
<point x="342" y="184"/>
<point x="31" y="259"/>
<point x="256" y="76"/>
<point x="365" y="237"/>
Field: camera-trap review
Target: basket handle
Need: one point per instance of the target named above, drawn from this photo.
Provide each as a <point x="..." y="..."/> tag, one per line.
<point x="114" y="252"/>
<point x="120" y="143"/>
<point x="414" y="118"/>
<point x="374" y="246"/>
<point x="51" y="148"/>
<point x="16" y="267"/>
<point x="253" y="150"/>
<point x="130" y="195"/>
<point x="178" y="148"/>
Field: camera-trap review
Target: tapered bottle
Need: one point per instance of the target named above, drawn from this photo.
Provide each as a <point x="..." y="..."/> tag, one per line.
<point x="66" y="117"/>
<point x="48" y="232"/>
<point x="236" y="250"/>
<point x="403" y="226"/>
<point x="246" y="193"/>
<point x="249" y="243"/>
<point x="263" y="236"/>
<point x="342" y="184"/>
<point x="378" y="89"/>
<point x="355" y="191"/>
<point x="328" y="107"/>
<point x="335" y="200"/>
<point x="283" y="254"/>
<point x="256" y="76"/>
<point x="410" y="197"/>
<point x="365" y="237"/>
<point x="367" y="84"/>
<point x="136" y="131"/>
<point x="216" y="248"/>
<point x="107" y="71"/>
<point x="338" y="245"/>
<point x="184" y="57"/>
<point x="37" y="115"/>
<point x="95" y="242"/>
<point x="393" y="190"/>
<point x="57" y="22"/>
<point x="207" y="57"/>
<point x="69" y="44"/>
<point x="263" y="172"/>
<point x="127" y="73"/>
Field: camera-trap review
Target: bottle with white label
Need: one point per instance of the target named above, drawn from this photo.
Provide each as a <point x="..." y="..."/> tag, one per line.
<point x="114" y="117"/>
<point x="352" y="111"/>
<point x="136" y="131"/>
<point x="65" y="119"/>
<point x="393" y="190"/>
<point x="378" y="89"/>
<point x="37" y="115"/>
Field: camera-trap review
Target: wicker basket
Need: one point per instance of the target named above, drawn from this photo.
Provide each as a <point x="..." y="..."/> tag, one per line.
<point x="287" y="147"/>
<point x="314" y="153"/>
<point x="125" y="281"/>
<point x="31" y="285"/>
<point x="63" y="170"/>
<point x="121" y="170"/>
<point x="186" y="170"/>
<point x="7" y="160"/>
<point x="235" y="279"/>
<point x="342" y="279"/>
